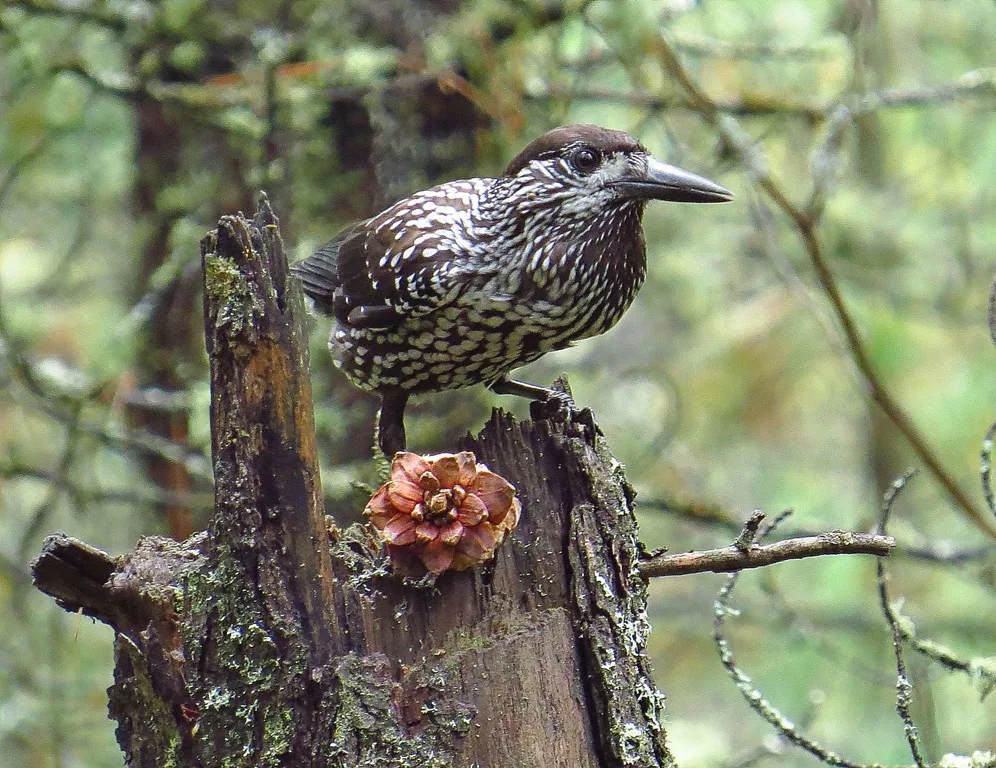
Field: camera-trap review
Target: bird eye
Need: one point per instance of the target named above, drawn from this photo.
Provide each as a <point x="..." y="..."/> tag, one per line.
<point x="586" y="159"/>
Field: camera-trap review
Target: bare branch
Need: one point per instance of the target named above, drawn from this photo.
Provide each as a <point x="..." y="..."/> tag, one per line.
<point x="717" y="48"/>
<point x="972" y="85"/>
<point x="735" y="558"/>
<point x="746" y="105"/>
<point x="86" y="579"/>
<point x="715" y="516"/>
<point x="976" y="83"/>
<point x="76" y="575"/>
<point x="979" y="83"/>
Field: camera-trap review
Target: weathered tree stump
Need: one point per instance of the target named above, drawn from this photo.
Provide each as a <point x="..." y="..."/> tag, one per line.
<point x="268" y="642"/>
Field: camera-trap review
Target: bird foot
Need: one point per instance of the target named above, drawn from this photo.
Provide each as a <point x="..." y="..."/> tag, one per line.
<point x="557" y="403"/>
<point x="390" y="426"/>
<point x="547" y="401"/>
<point x="560" y="404"/>
<point x="561" y="399"/>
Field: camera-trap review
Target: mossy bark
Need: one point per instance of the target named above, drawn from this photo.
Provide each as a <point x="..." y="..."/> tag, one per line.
<point x="269" y="642"/>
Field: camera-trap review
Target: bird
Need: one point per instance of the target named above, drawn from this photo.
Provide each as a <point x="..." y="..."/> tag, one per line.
<point x="462" y="283"/>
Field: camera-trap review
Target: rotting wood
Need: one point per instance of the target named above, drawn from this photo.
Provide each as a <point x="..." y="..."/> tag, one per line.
<point x="262" y="644"/>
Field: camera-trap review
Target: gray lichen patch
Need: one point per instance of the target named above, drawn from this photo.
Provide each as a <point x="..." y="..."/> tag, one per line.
<point x="357" y="550"/>
<point x="611" y="608"/>
<point x="250" y="674"/>
<point x="380" y="723"/>
<point x="145" y="722"/>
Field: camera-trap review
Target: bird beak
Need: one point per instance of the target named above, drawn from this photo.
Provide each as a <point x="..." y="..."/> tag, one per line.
<point x="666" y="182"/>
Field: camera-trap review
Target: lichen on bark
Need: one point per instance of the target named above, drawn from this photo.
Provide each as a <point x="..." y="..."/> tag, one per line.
<point x="247" y="675"/>
<point x="143" y="716"/>
<point x="226" y="287"/>
<point x="381" y="722"/>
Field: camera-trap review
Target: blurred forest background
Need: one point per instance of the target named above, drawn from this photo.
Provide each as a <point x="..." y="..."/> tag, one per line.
<point x="859" y="137"/>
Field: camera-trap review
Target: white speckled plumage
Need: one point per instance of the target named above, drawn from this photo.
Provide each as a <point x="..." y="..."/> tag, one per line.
<point x="462" y="283"/>
<point x="489" y="274"/>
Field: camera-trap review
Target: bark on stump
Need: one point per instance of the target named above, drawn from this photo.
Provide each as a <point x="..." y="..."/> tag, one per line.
<point x="266" y="642"/>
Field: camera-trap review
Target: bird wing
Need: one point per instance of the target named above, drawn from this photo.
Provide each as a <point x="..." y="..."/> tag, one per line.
<point x="376" y="273"/>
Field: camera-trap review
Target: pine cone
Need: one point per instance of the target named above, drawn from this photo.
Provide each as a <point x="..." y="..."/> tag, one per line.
<point x="445" y="511"/>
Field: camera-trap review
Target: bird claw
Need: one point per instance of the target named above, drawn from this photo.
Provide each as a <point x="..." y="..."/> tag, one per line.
<point x="557" y="403"/>
<point x="561" y="403"/>
<point x="562" y="399"/>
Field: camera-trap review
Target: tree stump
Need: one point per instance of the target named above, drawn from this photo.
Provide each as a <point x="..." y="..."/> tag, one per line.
<point x="276" y="640"/>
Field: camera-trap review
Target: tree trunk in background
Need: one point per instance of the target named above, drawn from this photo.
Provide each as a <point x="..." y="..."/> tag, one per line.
<point x="268" y="642"/>
<point x="165" y="335"/>
<point x="171" y="149"/>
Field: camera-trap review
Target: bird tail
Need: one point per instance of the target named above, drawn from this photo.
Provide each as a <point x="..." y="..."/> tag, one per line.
<point x="319" y="278"/>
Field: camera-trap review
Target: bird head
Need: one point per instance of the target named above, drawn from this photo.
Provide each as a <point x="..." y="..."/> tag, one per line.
<point x="580" y="173"/>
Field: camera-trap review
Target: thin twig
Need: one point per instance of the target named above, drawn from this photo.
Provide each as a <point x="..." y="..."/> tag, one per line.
<point x="772" y="747"/>
<point x="981" y="671"/>
<point x="745" y="540"/>
<point x="904" y="689"/>
<point x="986" y="468"/>
<point x="716" y="48"/>
<point x="976" y="83"/>
<point x="756" y="164"/>
<point x="979" y="83"/>
<point x="826" y="158"/>
<point x="745" y="106"/>
<point x="764" y="220"/>
<point x="752" y="695"/>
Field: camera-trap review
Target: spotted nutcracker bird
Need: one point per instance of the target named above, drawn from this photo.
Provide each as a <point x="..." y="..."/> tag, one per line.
<point x="462" y="283"/>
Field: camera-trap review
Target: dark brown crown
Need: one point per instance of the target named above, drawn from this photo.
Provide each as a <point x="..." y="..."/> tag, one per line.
<point x="605" y="140"/>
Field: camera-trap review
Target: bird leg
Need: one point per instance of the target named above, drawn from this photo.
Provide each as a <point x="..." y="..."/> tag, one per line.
<point x="391" y="422"/>
<point x="532" y="392"/>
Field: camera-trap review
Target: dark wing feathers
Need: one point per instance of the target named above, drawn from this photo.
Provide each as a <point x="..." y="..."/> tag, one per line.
<point x="363" y="282"/>
<point x="367" y="278"/>
<point x="338" y="279"/>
